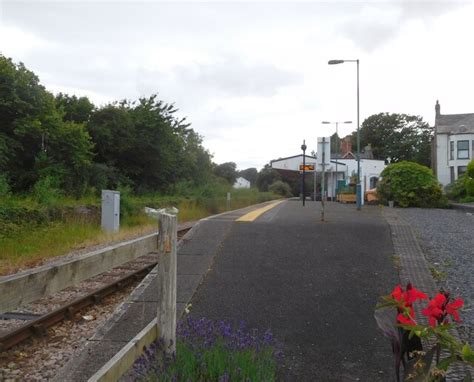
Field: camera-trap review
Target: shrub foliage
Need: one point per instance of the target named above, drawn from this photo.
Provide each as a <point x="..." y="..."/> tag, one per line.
<point x="280" y="188"/>
<point x="469" y="179"/>
<point x="410" y="184"/>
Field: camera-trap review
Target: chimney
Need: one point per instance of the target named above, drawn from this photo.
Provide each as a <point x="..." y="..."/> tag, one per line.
<point x="438" y="109"/>
<point x="346" y="146"/>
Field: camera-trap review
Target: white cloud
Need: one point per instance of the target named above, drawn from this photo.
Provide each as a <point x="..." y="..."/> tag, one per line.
<point x="252" y="77"/>
<point x="18" y="43"/>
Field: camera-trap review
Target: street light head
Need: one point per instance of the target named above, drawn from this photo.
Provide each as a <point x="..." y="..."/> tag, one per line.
<point x="335" y="62"/>
<point x="303" y="146"/>
<point x="325" y="122"/>
<point x="348" y="122"/>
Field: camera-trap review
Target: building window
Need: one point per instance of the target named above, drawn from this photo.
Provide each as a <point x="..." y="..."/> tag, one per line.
<point x="463" y="149"/>
<point x="451" y="150"/>
<point x="373" y="182"/>
<point x="461" y="170"/>
<point x="452" y="174"/>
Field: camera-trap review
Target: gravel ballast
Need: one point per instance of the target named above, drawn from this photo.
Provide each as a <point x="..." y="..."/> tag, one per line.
<point x="447" y="239"/>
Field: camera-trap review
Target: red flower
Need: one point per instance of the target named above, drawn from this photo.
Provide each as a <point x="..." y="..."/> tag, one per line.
<point x="397" y="293"/>
<point x="412" y="294"/>
<point x="439" y="307"/>
<point x="402" y="319"/>
<point x="405" y="301"/>
<point x="452" y="308"/>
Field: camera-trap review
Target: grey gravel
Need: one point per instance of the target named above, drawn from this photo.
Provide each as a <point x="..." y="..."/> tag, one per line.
<point x="447" y="239"/>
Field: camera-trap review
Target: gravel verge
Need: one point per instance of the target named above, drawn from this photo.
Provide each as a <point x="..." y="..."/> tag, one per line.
<point x="447" y="239"/>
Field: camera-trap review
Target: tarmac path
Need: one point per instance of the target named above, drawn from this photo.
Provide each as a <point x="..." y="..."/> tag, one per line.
<point x="313" y="284"/>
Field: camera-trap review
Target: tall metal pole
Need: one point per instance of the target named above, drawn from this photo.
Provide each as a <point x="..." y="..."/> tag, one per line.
<point x="303" y="147"/>
<point x="358" y="187"/>
<point x="322" y="181"/>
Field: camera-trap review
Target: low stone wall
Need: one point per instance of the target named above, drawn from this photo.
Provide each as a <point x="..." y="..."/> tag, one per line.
<point x="33" y="284"/>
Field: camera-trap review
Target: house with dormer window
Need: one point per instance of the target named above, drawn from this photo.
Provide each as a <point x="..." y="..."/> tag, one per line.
<point x="452" y="145"/>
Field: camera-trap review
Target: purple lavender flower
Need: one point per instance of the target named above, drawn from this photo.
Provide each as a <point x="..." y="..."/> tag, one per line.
<point x="201" y="337"/>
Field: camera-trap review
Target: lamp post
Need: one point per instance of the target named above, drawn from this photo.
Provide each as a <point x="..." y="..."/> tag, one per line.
<point x="303" y="147"/>
<point x="337" y="147"/>
<point x="358" y="187"/>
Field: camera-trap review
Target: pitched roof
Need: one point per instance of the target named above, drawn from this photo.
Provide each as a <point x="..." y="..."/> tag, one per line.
<point x="351" y="155"/>
<point x="293" y="156"/>
<point x="455" y="123"/>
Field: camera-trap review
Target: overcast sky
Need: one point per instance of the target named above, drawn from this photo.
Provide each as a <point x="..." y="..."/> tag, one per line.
<point x="252" y="77"/>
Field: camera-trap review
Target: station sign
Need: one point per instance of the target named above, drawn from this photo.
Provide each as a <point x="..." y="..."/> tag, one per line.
<point x="307" y="167"/>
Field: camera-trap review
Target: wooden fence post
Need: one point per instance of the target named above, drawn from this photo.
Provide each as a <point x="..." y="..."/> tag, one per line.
<point x="167" y="266"/>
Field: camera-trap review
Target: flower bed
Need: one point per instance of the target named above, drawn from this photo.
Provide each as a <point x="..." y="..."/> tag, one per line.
<point x="212" y="351"/>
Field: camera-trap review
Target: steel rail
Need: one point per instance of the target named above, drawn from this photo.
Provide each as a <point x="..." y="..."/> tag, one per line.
<point x="40" y="325"/>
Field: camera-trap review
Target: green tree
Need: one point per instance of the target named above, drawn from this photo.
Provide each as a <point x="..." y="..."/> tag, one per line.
<point x="33" y="136"/>
<point x="266" y="177"/>
<point x="66" y="142"/>
<point x="398" y="136"/>
<point x="144" y="145"/>
<point x="335" y="140"/>
<point x="74" y="109"/>
<point x="227" y="170"/>
<point x="196" y="162"/>
<point x="112" y="131"/>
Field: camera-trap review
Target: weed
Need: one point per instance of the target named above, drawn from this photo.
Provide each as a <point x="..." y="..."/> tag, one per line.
<point x="396" y="262"/>
<point x="437" y="274"/>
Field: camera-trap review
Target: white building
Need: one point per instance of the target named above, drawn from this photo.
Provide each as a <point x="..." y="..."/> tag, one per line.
<point x="241" y="183"/>
<point x="338" y="169"/>
<point x="370" y="170"/>
<point x="452" y="146"/>
<point x="293" y="163"/>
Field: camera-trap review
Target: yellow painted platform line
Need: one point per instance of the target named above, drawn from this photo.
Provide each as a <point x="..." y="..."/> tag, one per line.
<point x="251" y="216"/>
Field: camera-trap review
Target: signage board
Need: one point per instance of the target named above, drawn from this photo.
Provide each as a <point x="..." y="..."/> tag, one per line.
<point x="307" y="167"/>
<point x="324" y="151"/>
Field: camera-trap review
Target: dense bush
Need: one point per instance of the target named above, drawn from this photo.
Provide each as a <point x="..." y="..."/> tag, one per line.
<point x="280" y="188"/>
<point x="4" y="186"/>
<point x="457" y="190"/>
<point x="469" y="181"/>
<point x="266" y="177"/>
<point x="410" y="184"/>
<point x="462" y="190"/>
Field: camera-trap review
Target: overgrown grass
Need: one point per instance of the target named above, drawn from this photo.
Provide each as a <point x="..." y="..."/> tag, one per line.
<point x="32" y="245"/>
<point x="31" y="232"/>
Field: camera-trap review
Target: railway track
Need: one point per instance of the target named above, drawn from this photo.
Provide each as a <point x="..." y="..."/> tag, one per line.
<point x="67" y="309"/>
